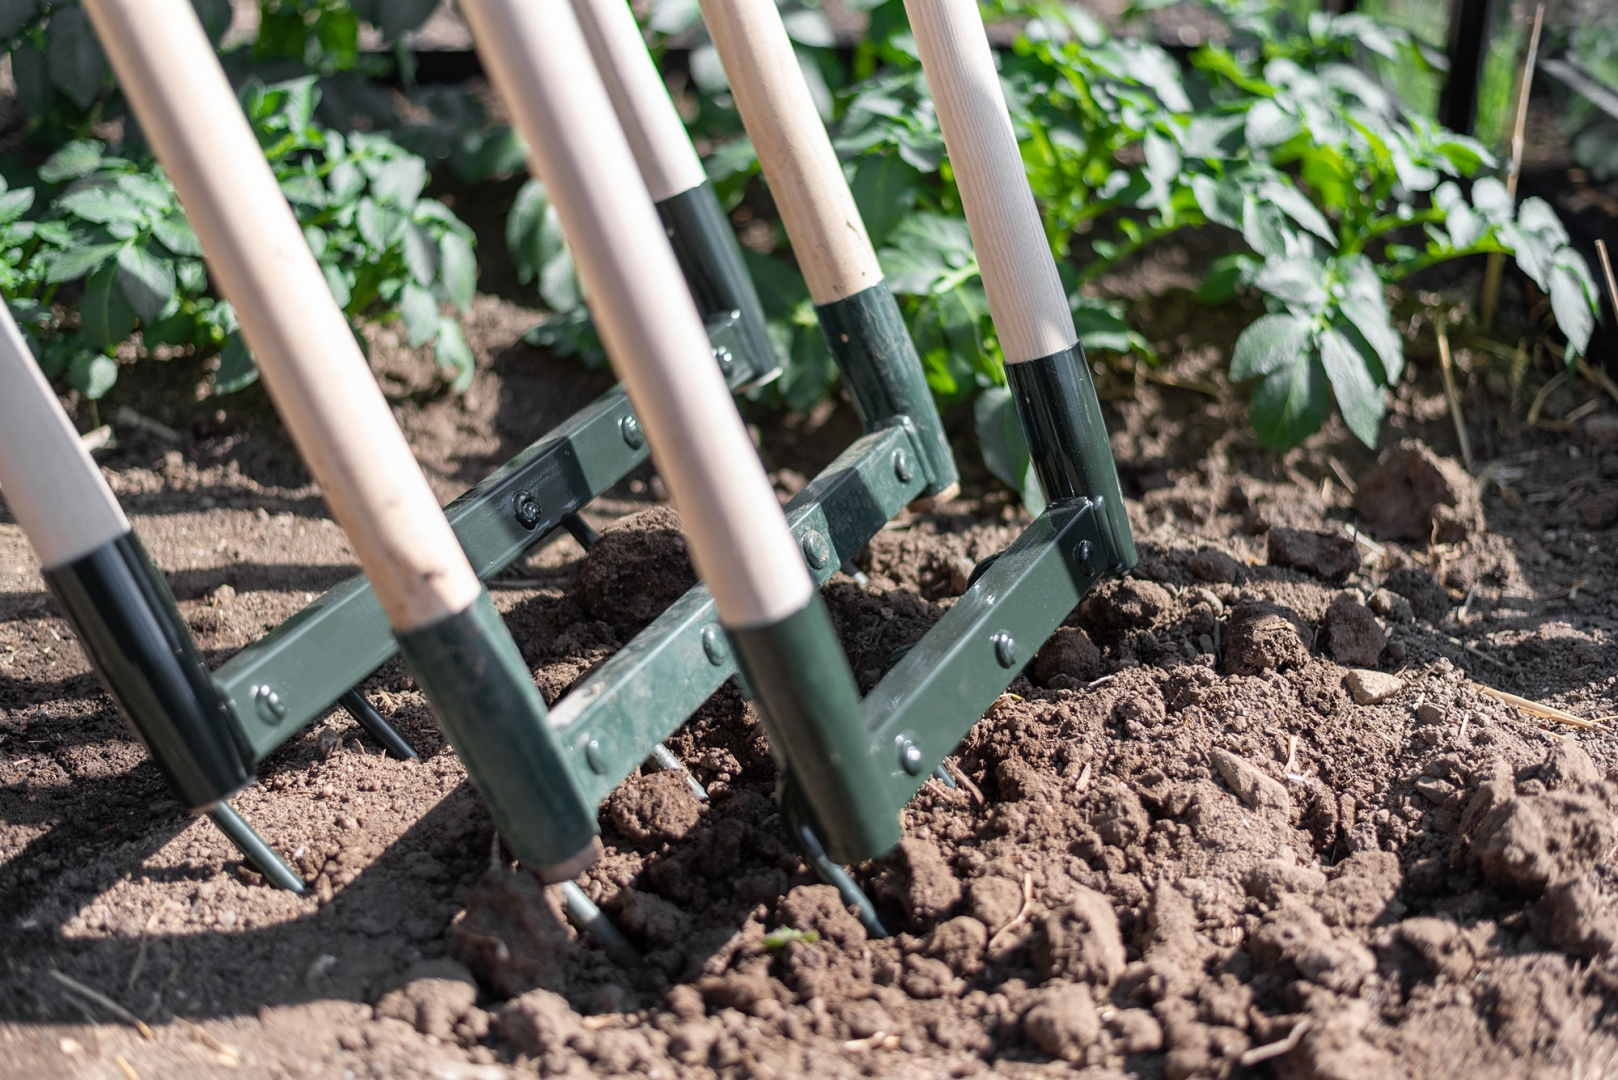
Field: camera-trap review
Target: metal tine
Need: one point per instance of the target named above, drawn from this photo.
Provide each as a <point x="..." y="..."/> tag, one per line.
<point x="360" y="708"/>
<point x="258" y="851"/>
<point x="832" y="873"/>
<point x="583" y="913"/>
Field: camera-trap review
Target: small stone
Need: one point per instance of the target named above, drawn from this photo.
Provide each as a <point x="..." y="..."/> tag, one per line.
<point x="1599" y="511"/>
<point x="1608" y="466"/>
<point x="1252" y="784"/>
<point x="1325" y="555"/>
<point x="1391" y="606"/>
<point x="1211" y="564"/>
<point x="222" y="595"/>
<point x="1601" y="429"/>
<point x="1372" y="687"/>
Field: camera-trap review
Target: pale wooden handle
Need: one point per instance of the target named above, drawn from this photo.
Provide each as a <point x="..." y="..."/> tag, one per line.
<point x="536" y="57"/>
<point x="656" y="134"/>
<point x="306" y="354"/>
<point x="57" y="493"/>
<point x="806" y="180"/>
<point x="1026" y="298"/>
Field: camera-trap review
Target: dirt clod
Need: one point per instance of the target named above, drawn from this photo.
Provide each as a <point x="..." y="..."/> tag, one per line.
<point x="1325" y="555"/>
<point x="1413" y="494"/>
<point x="1372" y="687"/>
<point x="638" y="567"/>
<point x="1262" y="637"/>
<point x="1068" y="660"/>
<point x="1354" y="635"/>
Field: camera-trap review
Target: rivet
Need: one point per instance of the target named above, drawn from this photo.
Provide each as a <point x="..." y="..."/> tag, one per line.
<point x="268" y="704"/>
<point x="815" y="549"/>
<point x="1086" y="557"/>
<point x="527" y="509"/>
<point x="910" y="756"/>
<point x="1005" y="648"/>
<point x="595" y="758"/>
<point x="722" y="354"/>
<point x="901" y="466"/>
<point x="634" y="437"/>
<point x="715" y="645"/>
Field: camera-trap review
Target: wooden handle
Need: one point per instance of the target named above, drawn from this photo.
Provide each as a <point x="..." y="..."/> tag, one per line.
<point x="806" y="180"/>
<point x="57" y="493"/>
<point x="668" y="163"/>
<point x="306" y="354"/>
<point x="536" y="57"/>
<point x="1026" y="298"/>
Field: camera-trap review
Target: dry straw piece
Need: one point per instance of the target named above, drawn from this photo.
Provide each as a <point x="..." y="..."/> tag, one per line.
<point x="1534" y="708"/>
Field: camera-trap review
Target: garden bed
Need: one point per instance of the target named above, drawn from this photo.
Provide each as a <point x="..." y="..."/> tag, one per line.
<point x="1181" y="841"/>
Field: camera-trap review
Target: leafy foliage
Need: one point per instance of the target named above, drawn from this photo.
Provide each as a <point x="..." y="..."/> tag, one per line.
<point x="113" y="226"/>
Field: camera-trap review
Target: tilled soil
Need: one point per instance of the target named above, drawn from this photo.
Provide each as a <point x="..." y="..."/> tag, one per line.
<point x="1250" y="812"/>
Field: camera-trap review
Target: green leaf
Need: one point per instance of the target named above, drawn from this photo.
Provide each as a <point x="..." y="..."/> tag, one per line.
<point x="1358" y="396"/>
<point x="74" y="58"/>
<point x="458" y="270"/>
<point x="1492" y="200"/>
<point x="345" y="182"/>
<point x="1269" y="125"/>
<point x="1464" y="226"/>
<point x="378" y="227"/>
<point x="994" y="419"/>
<point x="103" y="205"/>
<point x="397" y="18"/>
<point x="14" y="14"/>
<point x="105" y="315"/>
<point x="32" y="74"/>
<point x="454" y="354"/>
<point x="1212" y="137"/>
<point x="175" y="234"/>
<point x="146" y="281"/>
<point x="400" y="181"/>
<point x="884" y="188"/>
<point x="77" y="261"/>
<point x="420" y="254"/>
<point x="809" y="369"/>
<point x="1296" y="206"/>
<point x="1270" y="343"/>
<point x="14" y="204"/>
<point x="1290" y="404"/>
<point x="341" y="290"/>
<point x="77" y="158"/>
<point x="1295" y="281"/>
<point x="1264" y="227"/>
<point x="1219" y="200"/>
<point x="92" y="374"/>
<point x="1574" y="311"/>
<point x="237" y="370"/>
<point x="418" y="309"/>
<point x="1223" y="277"/>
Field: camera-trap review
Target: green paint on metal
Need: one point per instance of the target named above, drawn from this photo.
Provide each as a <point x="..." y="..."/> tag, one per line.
<point x="811" y="710"/>
<point x="649" y="687"/>
<point x="310" y="660"/>
<point x="127" y="621"/>
<point x="1067" y="442"/>
<point x="485" y="700"/>
<point x="878" y="362"/>
<point x="259" y="854"/>
<point x="711" y="262"/>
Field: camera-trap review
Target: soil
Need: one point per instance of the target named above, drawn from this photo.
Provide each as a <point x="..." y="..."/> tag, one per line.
<point x="1250" y="812"/>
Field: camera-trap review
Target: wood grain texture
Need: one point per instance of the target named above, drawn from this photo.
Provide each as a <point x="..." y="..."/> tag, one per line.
<point x="535" y="55"/>
<point x="54" y="490"/>
<point x="806" y="180"/>
<point x="1026" y="298"/>
<point x="668" y="163"/>
<point x="306" y="354"/>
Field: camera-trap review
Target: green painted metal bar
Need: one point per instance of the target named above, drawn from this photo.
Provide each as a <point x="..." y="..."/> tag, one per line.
<point x="282" y="682"/>
<point x="610" y="723"/>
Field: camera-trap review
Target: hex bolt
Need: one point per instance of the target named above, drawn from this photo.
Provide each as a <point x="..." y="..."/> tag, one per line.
<point x="595" y="757"/>
<point x="901" y="466"/>
<point x="815" y="549"/>
<point x="268" y="704"/>
<point x="1086" y="557"/>
<point x="715" y="644"/>
<point x="1005" y="648"/>
<point x="527" y="509"/>
<point x="634" y="437"/>
<point x="910" y="755"/>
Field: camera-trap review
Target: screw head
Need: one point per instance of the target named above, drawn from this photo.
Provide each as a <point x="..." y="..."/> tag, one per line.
<point x="815" y="549"/>
<point x="910" y="756"/>
<point x="902" y="467"/>
<point x="634" y="437"/>
<point x="526" y="508"/>
<point x="1005" y="648"/>
<point x="1087" y="557"/>
<point x="595" y="757"/>
<point x="715" y="645"/>
<point x="268" y="704"/>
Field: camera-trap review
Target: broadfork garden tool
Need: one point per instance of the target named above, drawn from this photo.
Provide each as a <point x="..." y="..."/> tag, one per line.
<point x="452" y="639"/>
<point x="647" y="689"/>
<point x="278" y="685"/>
